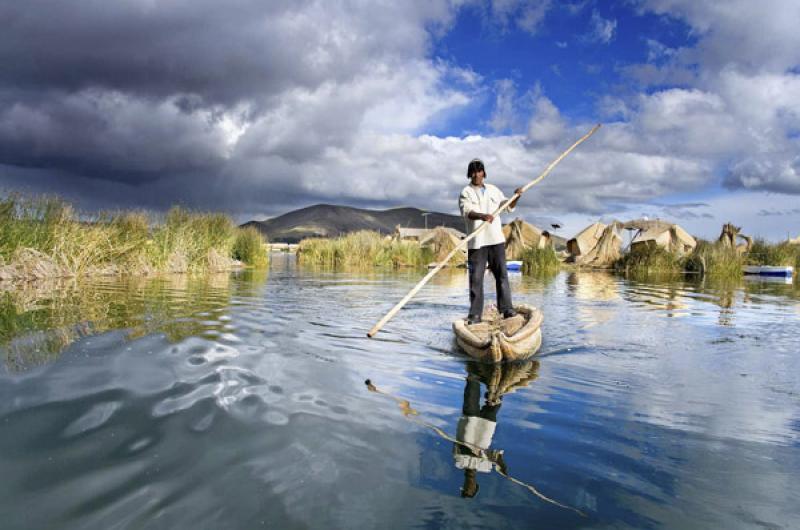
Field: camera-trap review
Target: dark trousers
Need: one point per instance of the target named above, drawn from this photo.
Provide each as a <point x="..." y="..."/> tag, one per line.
<point x="495" y="256"/>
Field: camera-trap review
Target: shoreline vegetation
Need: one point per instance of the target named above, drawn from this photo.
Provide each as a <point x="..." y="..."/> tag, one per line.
<point x="368" y="249"/>
<point x="362" y="249"/>
<point x="44" y="238"/>
<point x="708" y="259"/>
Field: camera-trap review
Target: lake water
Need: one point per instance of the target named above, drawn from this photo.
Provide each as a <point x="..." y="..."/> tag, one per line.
<point x="238" y="401"/>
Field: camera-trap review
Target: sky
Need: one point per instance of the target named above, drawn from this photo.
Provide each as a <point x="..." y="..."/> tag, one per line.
<point x="258" y="107"/>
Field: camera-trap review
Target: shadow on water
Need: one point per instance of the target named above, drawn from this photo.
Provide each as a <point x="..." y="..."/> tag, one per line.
<point x="39" y="321"/>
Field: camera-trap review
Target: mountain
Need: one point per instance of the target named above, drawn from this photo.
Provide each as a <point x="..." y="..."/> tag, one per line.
<point x="327" y="220"/>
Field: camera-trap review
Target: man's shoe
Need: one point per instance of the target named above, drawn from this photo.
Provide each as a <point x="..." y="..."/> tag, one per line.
<point x="473" y="320"/>
<point x="509" y="314"/>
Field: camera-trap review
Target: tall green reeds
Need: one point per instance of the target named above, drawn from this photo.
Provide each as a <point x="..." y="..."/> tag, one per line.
<point x="363" y="249"/>
<point x="44" y="237"/>
<point x="714" y="259"/>
<point x="249" y="247"/>
<point x="709" y="259"/>
<point x="192" y="241"/>
<point x="31" y="223"/>
<point x="536" y="261"/>
<point x="763" y="253"/>
<point x="645" y="260"/>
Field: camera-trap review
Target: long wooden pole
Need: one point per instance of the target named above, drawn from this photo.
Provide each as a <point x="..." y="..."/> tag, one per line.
<point x="382" y="322"/>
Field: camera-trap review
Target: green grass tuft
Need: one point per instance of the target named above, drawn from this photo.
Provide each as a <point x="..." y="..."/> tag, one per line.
<point x="250" y="247"/>
<point x="647" y="260"/>
<point x="714" y="259"/>
<point x="763" y="253"/>
<point x="536" y="261"/>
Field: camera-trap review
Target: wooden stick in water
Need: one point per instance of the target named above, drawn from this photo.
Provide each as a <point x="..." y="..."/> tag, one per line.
<point x="382" y="322"/>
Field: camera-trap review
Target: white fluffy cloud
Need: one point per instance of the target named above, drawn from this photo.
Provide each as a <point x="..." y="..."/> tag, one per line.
<point x="745" y="63"/>
<point x="602" y="29"/>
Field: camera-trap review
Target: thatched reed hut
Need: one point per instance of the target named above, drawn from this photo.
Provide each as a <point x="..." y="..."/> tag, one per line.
<point x="441" y="240"/>
<point x="585" y="240"/>
<point x="409" y="234"/>
<point x="606" y="251"/>
<point x="521" y="235"/>
<point x="658" y="233"/>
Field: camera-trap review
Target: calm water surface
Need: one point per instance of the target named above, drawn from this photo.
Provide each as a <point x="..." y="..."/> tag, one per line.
<point x="239" y="402"/>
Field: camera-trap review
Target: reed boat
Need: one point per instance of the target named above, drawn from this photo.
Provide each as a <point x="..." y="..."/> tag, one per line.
<point x="496" y="339"/>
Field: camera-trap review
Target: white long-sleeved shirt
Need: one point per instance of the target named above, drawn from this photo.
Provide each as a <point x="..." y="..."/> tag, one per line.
<point x="482" y="200"/>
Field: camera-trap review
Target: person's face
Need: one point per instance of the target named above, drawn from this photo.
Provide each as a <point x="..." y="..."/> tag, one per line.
<point x="477" y="177"/>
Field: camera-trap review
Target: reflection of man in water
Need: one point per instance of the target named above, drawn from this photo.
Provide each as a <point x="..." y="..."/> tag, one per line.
<point x="474" y="432"/>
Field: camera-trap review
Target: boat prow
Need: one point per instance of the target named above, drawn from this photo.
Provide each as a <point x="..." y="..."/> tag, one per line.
<point x="498" y="339"/>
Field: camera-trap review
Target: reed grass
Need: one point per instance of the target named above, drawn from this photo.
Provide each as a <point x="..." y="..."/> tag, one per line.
<point x="646" y="260"/>
<point x="362" y="249"/>
<point x="709" y="259"/>
<point x="715" y="259"/>
<point x="249" y="247"/>
<point x="537" y="261"/>
<point x="764" y="253"/>
<point x="44" y="237"/>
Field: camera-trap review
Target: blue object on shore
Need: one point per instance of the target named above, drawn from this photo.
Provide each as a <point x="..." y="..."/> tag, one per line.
<point x="513" y="266"/>
<point x="769" y="270"/>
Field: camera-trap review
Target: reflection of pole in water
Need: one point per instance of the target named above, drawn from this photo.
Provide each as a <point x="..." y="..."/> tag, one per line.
<point x="499" y="383"/>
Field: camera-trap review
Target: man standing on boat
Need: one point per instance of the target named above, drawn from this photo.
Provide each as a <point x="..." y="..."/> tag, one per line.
<point x="476" y="202"/>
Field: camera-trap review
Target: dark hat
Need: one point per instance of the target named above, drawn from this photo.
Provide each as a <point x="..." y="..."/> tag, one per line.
<point x="476" y="164"/>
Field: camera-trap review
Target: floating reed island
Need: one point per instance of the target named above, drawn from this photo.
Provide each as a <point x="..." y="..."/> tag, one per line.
<point x="44" y="237"/>
<point x="654" y="247"/>
<point x="660" y="247"/>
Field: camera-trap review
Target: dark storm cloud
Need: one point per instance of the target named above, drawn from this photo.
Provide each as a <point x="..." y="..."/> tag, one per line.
<point x="145" y="92"/>
<point x="222" y="52"/>
<point x="108" y="136"/>
<point x="778" y="172"/>
<point x="276" y="193"/>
